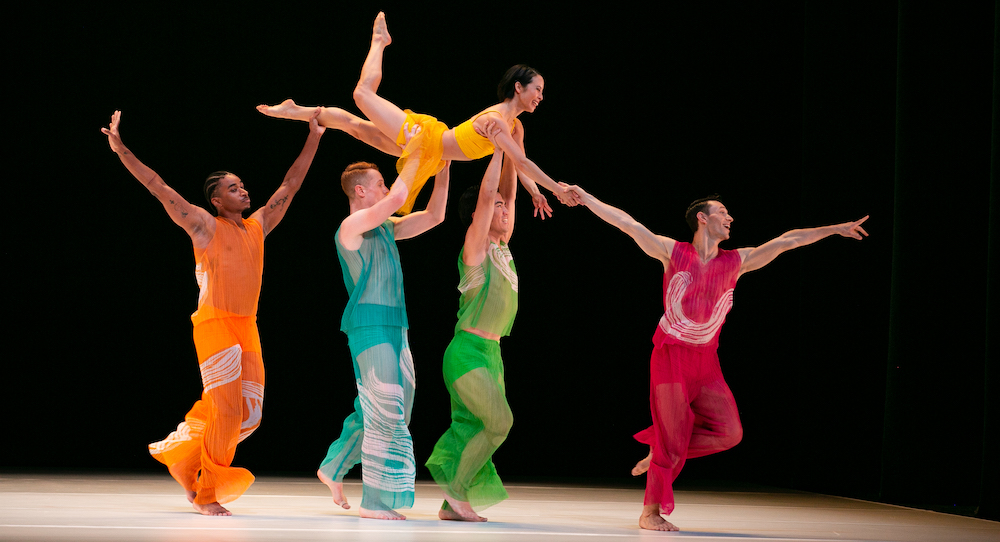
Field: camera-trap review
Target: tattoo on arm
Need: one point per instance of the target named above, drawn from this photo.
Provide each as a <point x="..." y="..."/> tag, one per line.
<point x="278" y="202"/>
<point x="179" y="208"/>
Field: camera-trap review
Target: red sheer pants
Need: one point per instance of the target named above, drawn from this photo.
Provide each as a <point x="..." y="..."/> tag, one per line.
<point x="694" y="414"/>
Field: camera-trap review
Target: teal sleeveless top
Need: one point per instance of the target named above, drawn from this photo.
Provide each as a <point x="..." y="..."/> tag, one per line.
<point x="489" y="292"/>
<point x="374" y="280"/>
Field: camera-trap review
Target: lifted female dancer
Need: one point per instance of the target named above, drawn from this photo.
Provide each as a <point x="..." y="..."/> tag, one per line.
<point x="520" y="90"/>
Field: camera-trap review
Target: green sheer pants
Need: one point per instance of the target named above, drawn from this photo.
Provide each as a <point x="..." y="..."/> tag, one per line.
<point x="480" y="420"/>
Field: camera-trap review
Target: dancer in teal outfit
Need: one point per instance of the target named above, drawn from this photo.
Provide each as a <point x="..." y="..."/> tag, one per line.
<point x="376" y="433"/>
<point x="473" y="369"/>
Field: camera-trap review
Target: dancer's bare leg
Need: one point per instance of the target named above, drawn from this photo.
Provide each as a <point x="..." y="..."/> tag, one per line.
<point x="458" y="511"/>
<point x="388" y="117"/>
<point x="336" y="488"/>
<point x="380" y="514"/>
<point x="643" y="465"/>
<point x="338" y="119"/>
<point x="652" y="520"/>
<point x="211" y="509"/>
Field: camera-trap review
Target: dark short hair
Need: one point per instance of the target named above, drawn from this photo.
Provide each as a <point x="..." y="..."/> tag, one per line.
<point x="354" y="175"/>
<point x="698" y="206"/>
<point x="467" y="204"/>
<point x="516" y="74"/>
<point x="211" y="185"/>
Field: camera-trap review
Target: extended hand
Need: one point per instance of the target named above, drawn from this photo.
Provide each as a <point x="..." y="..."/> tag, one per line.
<point x="853" y="229"/>
<point x="314" y="126"/>
<point x="491" y="131"/>
<point x="568" y="196"/>
<point x="541" y="205"/>
<point x="114" y="139"/>
<point x="409" y="133"/>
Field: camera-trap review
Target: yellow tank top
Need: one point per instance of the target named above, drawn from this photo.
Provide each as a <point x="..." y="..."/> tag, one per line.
<point x="473" y="145"/>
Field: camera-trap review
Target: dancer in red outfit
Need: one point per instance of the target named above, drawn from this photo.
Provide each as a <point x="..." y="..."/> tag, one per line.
<point x="694" y="413"/>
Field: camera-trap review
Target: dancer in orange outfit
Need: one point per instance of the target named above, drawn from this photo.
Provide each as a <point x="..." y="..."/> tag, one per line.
<point x="229" y="255"/>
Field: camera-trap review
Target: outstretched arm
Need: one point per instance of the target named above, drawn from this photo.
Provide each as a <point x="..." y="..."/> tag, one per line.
<point x="506" y="143"/>
<point x="414" y="224"/>
<point x="656" y="246"/>
<point x="537" y="198"/>
<point x="197" y="222"/>
<point x="756" y="257"/>
<point x="271" y="214"/>
<point x="477" y="236"/>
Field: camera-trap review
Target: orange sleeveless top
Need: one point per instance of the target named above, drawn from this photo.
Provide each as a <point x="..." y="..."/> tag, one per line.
<point x="229" y="271"/>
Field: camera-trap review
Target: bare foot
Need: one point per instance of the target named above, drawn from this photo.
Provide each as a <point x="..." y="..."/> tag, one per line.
<point x="211" y="509"/>
<point x="337" y="488"/>
<point x="190" y="496"/>
<point x="287" y="109"/>
<point x="380" y="514"/>
<point x="380" y="31"/>
<point x="655" y="522"/>
<point x="642" y="466"/>
<point x="458" y="511"/>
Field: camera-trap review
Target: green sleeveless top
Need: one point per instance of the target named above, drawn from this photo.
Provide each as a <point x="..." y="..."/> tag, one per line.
<point x="374" y="280"/>
<point x="489" y="292"/>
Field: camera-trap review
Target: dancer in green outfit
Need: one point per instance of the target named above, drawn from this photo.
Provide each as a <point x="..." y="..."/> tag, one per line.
<point x="473" y="369"/>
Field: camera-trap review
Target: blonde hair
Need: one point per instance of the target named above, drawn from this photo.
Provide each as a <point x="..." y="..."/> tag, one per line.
<point x="355" y="174"/>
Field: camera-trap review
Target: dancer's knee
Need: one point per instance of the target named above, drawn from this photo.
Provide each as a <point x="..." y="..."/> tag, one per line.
<point x="361" y="95"/>
<point x="498" y="426"/>
<point x="733" y="436"/>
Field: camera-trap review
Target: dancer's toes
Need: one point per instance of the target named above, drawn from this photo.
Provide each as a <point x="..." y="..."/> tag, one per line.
<point x="380" y="31"/>
<point x="211" y="509"/>
<point x="451" y="515"/>
<point x="642" y="466"/>
<point x="380" y="514"/>
<point x="336" y="489"/>
<point x="284" y="110"/>
<point x="655" y="522"/>
<point x="190" y="496"/>
<point x="458" y="511"/>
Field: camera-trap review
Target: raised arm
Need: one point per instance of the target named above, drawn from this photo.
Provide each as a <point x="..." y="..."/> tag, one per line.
<point x="414" y="224"/>
<point x="756" y="257"/>
<point x="476" y="237"/>
<point x="656" y="246"/>
<point x="506" y="143"/>
<point x="274" y="210"/>
<point x="197" y="222"/>
<point x="355" y="225"/>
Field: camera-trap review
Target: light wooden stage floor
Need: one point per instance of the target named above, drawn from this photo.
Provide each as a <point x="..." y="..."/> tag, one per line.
<point x="123" y="507"/>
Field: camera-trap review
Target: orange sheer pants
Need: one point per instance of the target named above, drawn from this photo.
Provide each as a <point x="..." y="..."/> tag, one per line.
<point x="199" y="453"/>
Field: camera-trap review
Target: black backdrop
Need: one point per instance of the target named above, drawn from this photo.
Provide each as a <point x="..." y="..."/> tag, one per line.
<point x="860" y="368"/>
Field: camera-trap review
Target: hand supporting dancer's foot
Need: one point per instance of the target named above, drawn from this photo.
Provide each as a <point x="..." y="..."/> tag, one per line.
<point x="380" y="31"/>
<point x="458" y="511"/>
<point x="652" y="520"/>
<point x="211" y="509"/>
<point x="380" y="514"/>
<point x="642" y="466"/>
<point x="336" y="488"/>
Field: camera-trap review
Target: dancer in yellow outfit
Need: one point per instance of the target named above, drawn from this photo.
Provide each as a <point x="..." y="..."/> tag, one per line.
<point x="520" y="90"/>
<point x="229" y="256"/>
